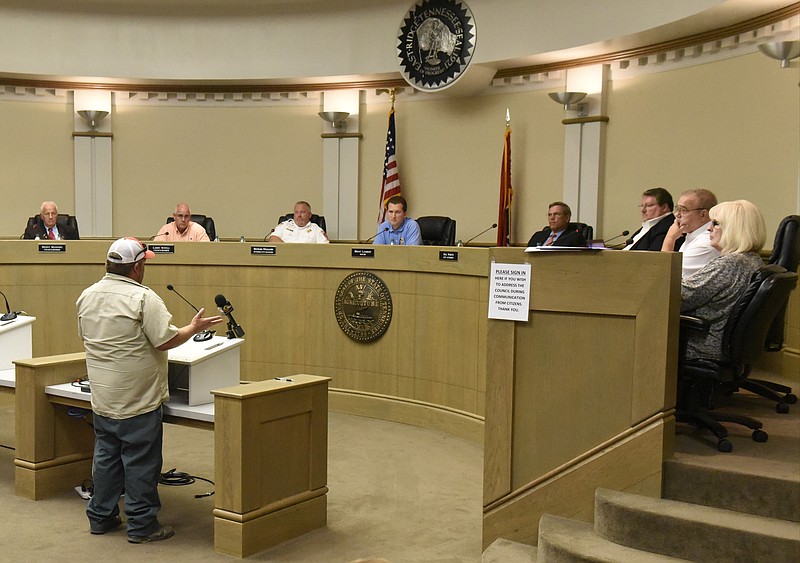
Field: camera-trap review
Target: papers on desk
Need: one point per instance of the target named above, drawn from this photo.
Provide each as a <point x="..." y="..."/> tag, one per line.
<point x="560" y="248"/>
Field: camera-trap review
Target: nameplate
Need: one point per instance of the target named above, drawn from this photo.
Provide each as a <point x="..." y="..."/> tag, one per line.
<point x="362" y="253"/>
<point x="448" y="255"/>
<point x="52" y="247"/>
<point x="162" y="248"/>
<point x="264" y="250"/>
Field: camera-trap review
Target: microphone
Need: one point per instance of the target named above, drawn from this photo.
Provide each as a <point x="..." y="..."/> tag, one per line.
<point x="9" y="316"/>
<point x="159" y="235"/>
<point x="373" y="237"/>
<point x="622" y="234"/>
<point x="269" y="234"/>
<point x="225" y="307"/>
<point x="494" y="226"/>
<point x="200" y="336"/>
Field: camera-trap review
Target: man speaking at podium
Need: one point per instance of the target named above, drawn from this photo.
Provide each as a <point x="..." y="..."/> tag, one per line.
<point x="126" y="330"/>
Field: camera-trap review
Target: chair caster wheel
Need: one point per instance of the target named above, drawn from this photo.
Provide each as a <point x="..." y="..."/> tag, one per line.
<point x="724" y="446"/>
<point x="760" y="436"/>
<point x="790" y="398"/>
<point x="782" y="408"/>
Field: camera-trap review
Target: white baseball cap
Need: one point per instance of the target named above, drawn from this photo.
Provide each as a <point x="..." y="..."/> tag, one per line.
<point x="127" y="251"/>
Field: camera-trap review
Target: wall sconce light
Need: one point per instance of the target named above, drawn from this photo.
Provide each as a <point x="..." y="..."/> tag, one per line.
<point x="92" y="105"/>
<point x="784" y="51"/>
<point x="337" y="119"/>
<point x="92" y="116"/>
<point x="568" y="99"/>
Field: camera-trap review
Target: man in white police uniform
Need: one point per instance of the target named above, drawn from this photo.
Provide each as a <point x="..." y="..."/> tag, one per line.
<point x="299" y="228"/>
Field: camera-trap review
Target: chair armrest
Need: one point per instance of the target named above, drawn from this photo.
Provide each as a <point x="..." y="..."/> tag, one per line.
<point x="694" y="324"/>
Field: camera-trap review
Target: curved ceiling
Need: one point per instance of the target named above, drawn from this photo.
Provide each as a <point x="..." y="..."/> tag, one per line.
<point x="302" y="41"/>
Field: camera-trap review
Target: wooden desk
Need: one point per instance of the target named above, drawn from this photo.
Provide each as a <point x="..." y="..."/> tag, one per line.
<point x="580" y="396"/>
<point x="270" y="449"/>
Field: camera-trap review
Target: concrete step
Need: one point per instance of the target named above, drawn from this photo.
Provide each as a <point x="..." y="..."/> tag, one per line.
<point x="691" y="531"/>
<point x="734" y="489"/>
<point x="562" y="540"/>
<point x="507" y="551"/>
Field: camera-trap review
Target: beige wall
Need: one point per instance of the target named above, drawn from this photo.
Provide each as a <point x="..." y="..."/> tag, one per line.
<point x="36" y="161"/>
<point x="243" y="166"/>
<point x="449" y="155"/>
<point x="731" y="126"/>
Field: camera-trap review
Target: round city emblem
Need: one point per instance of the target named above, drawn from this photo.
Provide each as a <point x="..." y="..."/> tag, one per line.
<point x="363" y="306"/>
<point x="435" y="43"/>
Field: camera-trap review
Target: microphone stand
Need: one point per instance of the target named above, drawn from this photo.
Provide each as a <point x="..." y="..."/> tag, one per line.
<point x="10" y="315"/>
<point x="494" y="226"/>
<point x="373" y="237"/>
<point x="201" y="336"/>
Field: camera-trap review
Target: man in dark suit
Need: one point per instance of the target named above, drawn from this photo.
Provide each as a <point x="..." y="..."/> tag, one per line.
<point x="47" y="226"/>
<point x="657" y="218"/>
<point x="559" y="232"/>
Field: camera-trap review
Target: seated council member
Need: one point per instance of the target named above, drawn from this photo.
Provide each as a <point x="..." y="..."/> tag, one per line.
<point x="182" y="229"/>
<point x="47" y="227"/>
<point x="692" y="220"/>
<point x="299" y="228"/>
<point x="738" y="233"/>
<point x="657" y="218"/>
<point x="559" y="231"/>
<point x="398" y="229"/>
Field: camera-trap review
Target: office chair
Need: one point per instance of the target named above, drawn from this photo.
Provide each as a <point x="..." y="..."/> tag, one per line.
<point x="742" y="343"/>
<point x="786" y="253"/>
<point x="62" y="219"/>
<point x="319" y="220"/>
<point x="437" y="230"/>
<point x="204" y="221"/>
<point x="586" y="230"/>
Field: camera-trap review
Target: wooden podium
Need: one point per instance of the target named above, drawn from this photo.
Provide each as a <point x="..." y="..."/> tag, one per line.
<point x="15" y="343"/>
<point x="270" y="462"/>
<point x="206" y="365"/>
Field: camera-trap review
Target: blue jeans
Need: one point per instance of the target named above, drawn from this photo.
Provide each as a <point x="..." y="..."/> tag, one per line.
<point x="127" y="458"/>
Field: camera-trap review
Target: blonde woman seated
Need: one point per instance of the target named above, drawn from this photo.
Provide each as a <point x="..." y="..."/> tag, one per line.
<point x="738" y="233"/>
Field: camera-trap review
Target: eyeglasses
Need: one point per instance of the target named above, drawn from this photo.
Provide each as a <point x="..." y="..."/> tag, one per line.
<point x="644" y="206"/>
<point x="555" y="214"/>
<point x="684" y="211"/>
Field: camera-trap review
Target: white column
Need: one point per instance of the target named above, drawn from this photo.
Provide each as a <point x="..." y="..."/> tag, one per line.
<point x="93" y="190"/>
<point x="340" y="153"/>
<point x="584" y="147"/>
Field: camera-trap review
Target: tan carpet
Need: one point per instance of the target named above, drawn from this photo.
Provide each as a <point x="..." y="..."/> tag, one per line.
<point x="396" y="491"/>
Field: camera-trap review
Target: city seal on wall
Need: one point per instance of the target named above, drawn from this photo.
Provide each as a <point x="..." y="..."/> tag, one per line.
<point x="435" y="43"/>
<point x="363" y="306"/>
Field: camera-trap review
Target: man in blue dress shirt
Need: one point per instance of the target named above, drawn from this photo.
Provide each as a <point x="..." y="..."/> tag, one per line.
<point x="398" y="229"/>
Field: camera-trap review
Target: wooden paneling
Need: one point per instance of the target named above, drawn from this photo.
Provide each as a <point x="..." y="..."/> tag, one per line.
<point x="565" y="389"/>
<point x="433" y="350"/>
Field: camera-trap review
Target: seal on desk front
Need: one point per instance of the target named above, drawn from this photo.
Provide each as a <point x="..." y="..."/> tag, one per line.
<point x="363" y="306"/>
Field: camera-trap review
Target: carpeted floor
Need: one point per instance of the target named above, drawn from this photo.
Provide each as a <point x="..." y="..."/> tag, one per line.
<point x="396" y="492"/>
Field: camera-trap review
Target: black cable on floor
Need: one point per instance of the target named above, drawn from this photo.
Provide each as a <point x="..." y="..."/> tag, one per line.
<point x="173" y="478"/>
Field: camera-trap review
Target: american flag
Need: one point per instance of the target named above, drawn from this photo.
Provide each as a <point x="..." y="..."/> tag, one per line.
<point x="390" y="186"/>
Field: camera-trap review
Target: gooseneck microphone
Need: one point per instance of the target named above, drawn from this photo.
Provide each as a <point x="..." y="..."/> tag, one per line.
<point x="158" y="235"/>
<point x="200" y="336"/>
<point x="225" y="307"/>
<point x="9" y="316"/>
<point x="494" y="226"/>
<point x="622" y="234"/>
<point x="269" y="234"/>
<point x="373" y="237"/>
